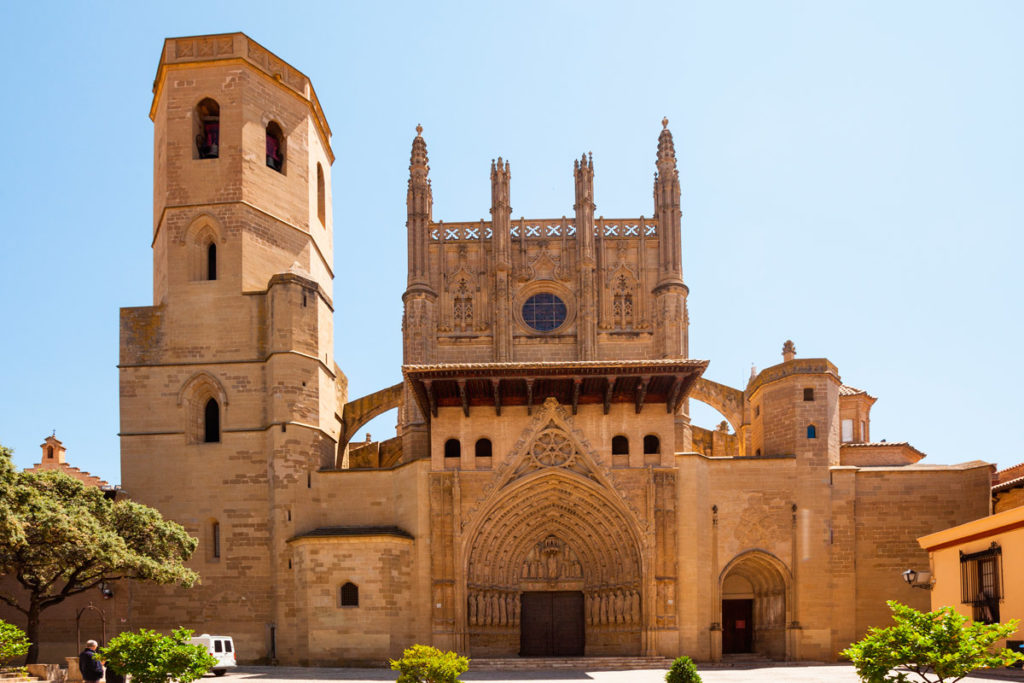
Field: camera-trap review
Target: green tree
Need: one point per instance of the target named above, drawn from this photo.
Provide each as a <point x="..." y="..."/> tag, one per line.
<point x="13" y="643"/>
<point x="59" y="537"/>
<point x="425" y="664"/>
<point x="149" y="657"/>
<point x="940" y="646"/>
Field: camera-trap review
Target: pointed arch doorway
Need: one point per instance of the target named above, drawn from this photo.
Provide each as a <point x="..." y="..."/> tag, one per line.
<point x="755" y="605"/>
<point x="554" y="569"/>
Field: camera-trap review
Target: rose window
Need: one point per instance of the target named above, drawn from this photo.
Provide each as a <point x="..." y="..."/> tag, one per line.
<point x="544" y="312"/>
<point x="552" y="448"/>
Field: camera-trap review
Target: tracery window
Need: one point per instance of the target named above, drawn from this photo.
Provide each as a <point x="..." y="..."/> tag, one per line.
<point x="622" y="303"/>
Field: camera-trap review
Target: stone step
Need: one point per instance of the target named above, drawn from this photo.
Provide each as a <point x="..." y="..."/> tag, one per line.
<point x="569" y="663"/>
<point x="746" y="661"/>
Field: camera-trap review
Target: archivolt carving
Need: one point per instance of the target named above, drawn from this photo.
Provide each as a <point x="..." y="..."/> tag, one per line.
<point x="588" y="528"/>
<point x="551" y="560"/>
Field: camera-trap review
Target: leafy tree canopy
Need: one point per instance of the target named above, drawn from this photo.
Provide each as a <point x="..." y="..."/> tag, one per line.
<point x="940" y="646"/>
<point x="59" y="537"/>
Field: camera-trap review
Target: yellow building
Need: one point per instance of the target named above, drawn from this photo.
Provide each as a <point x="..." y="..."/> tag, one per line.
<point x="546" y="493"/>
<point x="977" y="568"/>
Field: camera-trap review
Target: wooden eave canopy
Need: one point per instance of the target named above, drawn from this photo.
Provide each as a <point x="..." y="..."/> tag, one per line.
<point x="574" y="383"/>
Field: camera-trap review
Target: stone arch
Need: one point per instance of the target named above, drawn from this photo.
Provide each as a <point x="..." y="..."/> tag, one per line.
<point x="555" y="530"/>
<point x="761" y="577"/>
<point x="192" y="398"/>
<point x="357" y="413"/>
<point x="726" y="400"/>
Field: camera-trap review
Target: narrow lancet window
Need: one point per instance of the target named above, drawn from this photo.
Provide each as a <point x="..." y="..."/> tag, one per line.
<point x="215" y="539"/>
<point x="321" y="195"/>
<point x="211" y="422"/>
<point x="211" y="262"/>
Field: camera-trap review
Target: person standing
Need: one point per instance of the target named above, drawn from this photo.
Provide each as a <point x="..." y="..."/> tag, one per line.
<point x="89" y="664"/>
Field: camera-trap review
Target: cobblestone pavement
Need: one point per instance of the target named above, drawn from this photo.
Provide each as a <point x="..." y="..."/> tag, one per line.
<point x="823" y="673"/>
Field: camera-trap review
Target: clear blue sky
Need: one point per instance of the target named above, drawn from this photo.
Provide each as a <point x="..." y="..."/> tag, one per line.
<point x="851" y="174"/>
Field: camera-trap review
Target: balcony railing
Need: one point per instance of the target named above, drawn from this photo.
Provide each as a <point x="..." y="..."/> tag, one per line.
<point x="604" y="228"/>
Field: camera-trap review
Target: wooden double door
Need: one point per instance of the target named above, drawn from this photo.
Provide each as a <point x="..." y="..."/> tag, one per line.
<point x="551" y="624"/>
<point x="737" y="626"/>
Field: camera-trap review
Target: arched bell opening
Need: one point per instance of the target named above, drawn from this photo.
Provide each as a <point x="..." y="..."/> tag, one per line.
<point x="755" y="605"/>
<point x="554" y="570"/>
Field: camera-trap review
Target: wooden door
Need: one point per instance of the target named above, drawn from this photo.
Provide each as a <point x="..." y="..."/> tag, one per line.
<point x="737" y="626"/>
<point x="551" y="624"/>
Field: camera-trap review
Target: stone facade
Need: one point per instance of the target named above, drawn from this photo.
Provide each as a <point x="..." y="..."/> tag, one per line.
<point x="546" y="493"/>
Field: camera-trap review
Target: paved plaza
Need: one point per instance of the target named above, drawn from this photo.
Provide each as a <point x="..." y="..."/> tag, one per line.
<point x="821" y="673"/>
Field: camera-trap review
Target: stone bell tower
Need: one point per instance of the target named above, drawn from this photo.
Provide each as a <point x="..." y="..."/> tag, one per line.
<point x="229" y="391"/>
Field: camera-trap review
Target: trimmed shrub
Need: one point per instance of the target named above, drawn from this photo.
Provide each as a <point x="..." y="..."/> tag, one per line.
<point x="425" y="664"/>
<point x="683" y="671"/>
<point x="13" y="643"/>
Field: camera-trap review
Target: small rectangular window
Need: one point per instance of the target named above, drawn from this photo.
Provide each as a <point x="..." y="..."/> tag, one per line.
<point x="227" y="646"/>
<point x="863" y="430"/>
<point x="757" y="411"/>
<point x="981" y="582"/>
<point x="808" y="394"/>
<point x="218" y="646"/>
<point x="847" y="431"/>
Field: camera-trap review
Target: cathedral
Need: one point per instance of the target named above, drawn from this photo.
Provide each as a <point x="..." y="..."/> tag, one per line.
<point x="546" y="493"/>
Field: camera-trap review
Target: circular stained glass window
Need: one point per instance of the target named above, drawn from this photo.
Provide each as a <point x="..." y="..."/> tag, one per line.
<point x="544" y="312"/>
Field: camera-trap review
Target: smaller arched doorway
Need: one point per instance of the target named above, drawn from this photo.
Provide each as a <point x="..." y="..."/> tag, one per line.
<point x="754" y="589"/>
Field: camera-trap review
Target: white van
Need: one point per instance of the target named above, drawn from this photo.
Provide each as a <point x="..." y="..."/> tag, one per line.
<point x="222" y="648"/>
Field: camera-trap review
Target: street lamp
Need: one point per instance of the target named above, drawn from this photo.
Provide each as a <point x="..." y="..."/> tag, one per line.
<point x="916" y="579"/>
